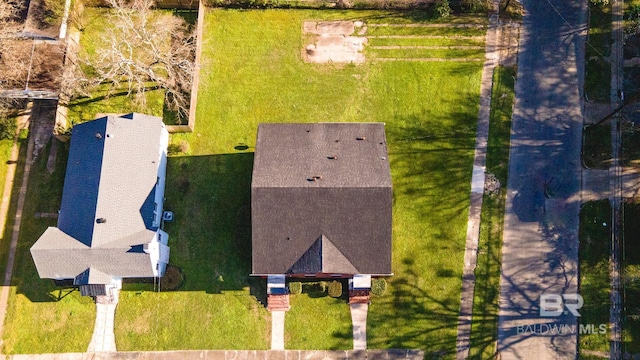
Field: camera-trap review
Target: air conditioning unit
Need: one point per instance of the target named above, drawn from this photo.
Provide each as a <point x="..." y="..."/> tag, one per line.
<point x="167" y="216"/>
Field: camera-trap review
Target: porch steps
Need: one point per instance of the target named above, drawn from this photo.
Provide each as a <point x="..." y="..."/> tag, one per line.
<point x="278" y="302"/>
<point x="359" y="297"/>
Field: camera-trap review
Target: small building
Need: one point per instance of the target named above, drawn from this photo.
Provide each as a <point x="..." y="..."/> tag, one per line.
<point x="109" y="223"/>
<point x="321" y="202"/>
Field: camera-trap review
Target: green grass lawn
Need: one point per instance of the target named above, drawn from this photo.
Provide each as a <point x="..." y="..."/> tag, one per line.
<point x="598" y="68"/>
<point x="253" y="72"/>
<point x="631" y="279"/>
<point x="426" y="31"/>
<point x="317" y="321"/>
<point x="596" y="147"/>
<point x="5" y="156"/>
<point x="484" y="326"/>
<point x="595" y="240"/>
<point x="42" y="317"/>
<point x="477" y="54"/>
<point x="416" y="41"/>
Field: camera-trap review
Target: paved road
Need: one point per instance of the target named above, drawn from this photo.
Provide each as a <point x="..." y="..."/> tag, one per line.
<point x="540" y="251"/>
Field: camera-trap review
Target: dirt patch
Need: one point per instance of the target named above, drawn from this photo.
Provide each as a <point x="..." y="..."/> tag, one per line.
<point x="332" y="41"/>
<point x="32" y="64"/>
<point x="173" y="278"/>
<point x="43" y="20"/>
<point x="54" y="320"/>
<point x="141" y="324"/>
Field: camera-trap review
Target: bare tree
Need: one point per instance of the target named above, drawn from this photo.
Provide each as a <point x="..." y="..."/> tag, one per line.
<point x="145" y="49"/>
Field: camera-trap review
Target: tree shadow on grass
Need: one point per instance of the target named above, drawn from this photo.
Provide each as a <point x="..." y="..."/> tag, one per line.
<point x="44" y="194"/>
<point x="81" y="101"/>
<point x="631" y="279"/>
<point x="210" y="238"/>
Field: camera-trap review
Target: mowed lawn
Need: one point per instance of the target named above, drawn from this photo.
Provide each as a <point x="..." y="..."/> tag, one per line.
<point x="252" y="72"/>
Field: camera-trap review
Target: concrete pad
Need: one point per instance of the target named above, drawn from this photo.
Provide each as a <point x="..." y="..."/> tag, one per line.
<point x="631" y="182"/>
<point x="276" y="355"/>
<point x="595" y="184"/>
<point x="277" y="330"/>
<point x="310" y="355"/>
<point x="334" y="43"/>
<point x="477" y="179"/>
<point x="330" y="43"/>
<point x="336" y="27"/>
<point x="214" y="355"/>
<point x="414" y="354"/>
<point x="378" y="355"/>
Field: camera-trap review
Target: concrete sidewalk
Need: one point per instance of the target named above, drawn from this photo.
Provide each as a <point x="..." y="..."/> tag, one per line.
<point x="477" y="188"/>
<point x="233" y="355"/>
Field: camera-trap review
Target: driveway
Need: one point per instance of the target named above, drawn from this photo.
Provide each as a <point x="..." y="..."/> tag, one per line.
<point x="540" y="251"/>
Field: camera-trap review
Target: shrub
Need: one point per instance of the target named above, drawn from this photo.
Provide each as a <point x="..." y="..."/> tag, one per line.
<point x="53" y="11"/>
<point x="442" y="8"/>
<point x="295" y="287"/>
<point x="8" y="125"/>
<point x="335" y="289"/>
<point x="472" y="6"/>
<point x="378" y="286"/>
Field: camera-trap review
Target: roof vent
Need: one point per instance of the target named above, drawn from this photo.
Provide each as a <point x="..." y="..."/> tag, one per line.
<point x="318" y="177"/>
<point x="311" y="179"/>
<point x="332" y="157"/>
<point x="109" y="135"/>
<point x="361" y="138"/>
<point x="101" y="220"/>
<point x="98" y="136"/>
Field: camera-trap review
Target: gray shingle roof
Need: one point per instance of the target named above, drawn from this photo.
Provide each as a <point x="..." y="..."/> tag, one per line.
<point x="107" y="207"/>
<point x="290" y="154"/>
<point x="341" y="221"/>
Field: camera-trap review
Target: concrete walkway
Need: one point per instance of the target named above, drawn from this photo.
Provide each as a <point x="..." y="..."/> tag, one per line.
<point x="595" y="184"/>
<point x="103" y="339"/>
<point x="359" y="322"/>
<point x="477" y="189"/>
<point x="277" y="330"/>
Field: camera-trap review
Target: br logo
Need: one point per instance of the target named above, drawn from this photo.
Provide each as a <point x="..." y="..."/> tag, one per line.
<point x="552" y="305"/>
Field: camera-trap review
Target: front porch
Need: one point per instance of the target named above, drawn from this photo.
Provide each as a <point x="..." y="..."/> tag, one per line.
<point x="278" y="303"/>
